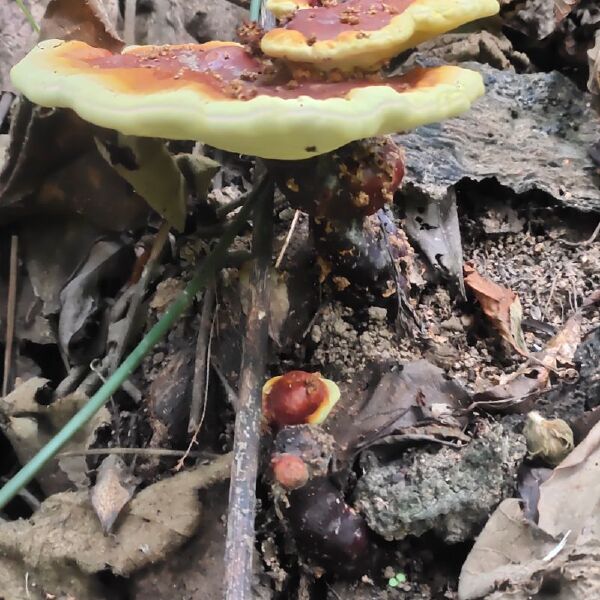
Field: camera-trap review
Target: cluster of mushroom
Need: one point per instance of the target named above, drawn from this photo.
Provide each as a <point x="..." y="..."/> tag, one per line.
<point x="315" y="87"/>
<point x="327" y="531"/>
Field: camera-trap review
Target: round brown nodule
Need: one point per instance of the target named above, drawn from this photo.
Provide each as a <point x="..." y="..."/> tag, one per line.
<point x="350" y="182"/>
<point x="294" y="397"/>
<point x="290" y="471"/>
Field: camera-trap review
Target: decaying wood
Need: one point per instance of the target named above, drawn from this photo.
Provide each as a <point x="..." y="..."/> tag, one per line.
<point x="239" y="546"/>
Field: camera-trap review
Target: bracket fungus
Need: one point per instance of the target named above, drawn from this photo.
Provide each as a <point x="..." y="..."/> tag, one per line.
<point x="220" y="94"/>
<point x="363" y="33"/>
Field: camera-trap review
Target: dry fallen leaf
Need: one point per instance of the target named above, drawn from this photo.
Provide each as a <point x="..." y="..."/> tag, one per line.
<point x="152" y="171"/>
<point x="516" y="392"/>
<point x="562" y="8"/>
<point x="113" y="490"/>
<point x="31" y="424"/>
<point x="515" y="555"/>
<point x="501" y="305"/>
<point x="63" y="542"/>
<point x="575" y="483"/>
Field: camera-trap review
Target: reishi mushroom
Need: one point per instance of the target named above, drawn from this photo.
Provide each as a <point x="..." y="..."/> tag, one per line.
<point x="363" y="33"/>
<point x="219" y="93"/>
<point x="327" y="531"/>
<point x="298" y="397"/>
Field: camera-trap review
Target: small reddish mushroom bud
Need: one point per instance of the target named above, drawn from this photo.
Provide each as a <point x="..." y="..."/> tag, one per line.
<point x="290" y="471"/>
<point x="353" y="181"/>
<point x="298" y="397"/>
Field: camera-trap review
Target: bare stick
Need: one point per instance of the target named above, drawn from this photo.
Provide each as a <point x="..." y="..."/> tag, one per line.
<point x="288" y="238"/>
<point x="124" y="451"/>
<point x="587" y="242"/>
<point x="180" y="464"/>
<point x="10" y="313"/>
<point x="200" y="369"/>
<point x="239" y="544"/>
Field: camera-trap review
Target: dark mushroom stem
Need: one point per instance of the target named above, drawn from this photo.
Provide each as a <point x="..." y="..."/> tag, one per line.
<point x="328" y="533"/>
<point x="342" y="191"/>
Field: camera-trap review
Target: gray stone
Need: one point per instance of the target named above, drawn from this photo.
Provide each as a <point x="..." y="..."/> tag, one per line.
<point x="451" y="492"/>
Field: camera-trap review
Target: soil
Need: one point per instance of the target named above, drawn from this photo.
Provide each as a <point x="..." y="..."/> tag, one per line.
<point x="402" y="478"/>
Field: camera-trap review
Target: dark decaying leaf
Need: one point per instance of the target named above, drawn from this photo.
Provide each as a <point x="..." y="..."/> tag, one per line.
<point x="530" y="479"/>
<point x="433" y="226"/>
<point x="516" y="393"/>
<point x="501" y="305"/>
<point x="82" y="321"/>
<point x="416" y="395"/>
<point x="152" y="172"/>
<point x="45" y="142"/>
<point x="113" y="490"/>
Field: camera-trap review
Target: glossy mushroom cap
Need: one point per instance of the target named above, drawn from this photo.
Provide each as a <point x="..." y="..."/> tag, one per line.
<point x="286" y="8"/>
<point x="221" y="95"/>
<point x="298" y="397"/>
<point x="364" y="33"/>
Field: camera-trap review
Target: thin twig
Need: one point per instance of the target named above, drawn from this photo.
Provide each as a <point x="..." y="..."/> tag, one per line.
<point x="587" y="242"/>
<point x="194" y="440"/>
<point x="288" y="238"/>
<point x="10" y="313"/>
<point x="140" y="289"/>
<point x="26" y="496"/>
<point x="204" y="275"/>
<point x="200" y="365"/>
<point x="125" y="451"/>
<point x="239" y="543"/>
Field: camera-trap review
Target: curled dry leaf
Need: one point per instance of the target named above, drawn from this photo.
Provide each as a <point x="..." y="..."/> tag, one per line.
<point x="517" y="556"/>
<point x="152" y="171"/>
<point x="515" y="392"/>
<point x="501" y="305"/>
<point x="113" y="490"/>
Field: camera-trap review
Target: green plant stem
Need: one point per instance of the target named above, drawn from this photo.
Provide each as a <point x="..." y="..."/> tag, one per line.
<point x="255" y="10"/>
<point x="28" y="15"/>
<point x="202" y="277"/>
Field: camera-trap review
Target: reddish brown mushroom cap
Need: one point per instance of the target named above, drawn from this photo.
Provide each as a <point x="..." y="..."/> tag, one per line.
<point x="364" y="33"/>
<point x="220" y="94"/>
<point x="298" y="397"/>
